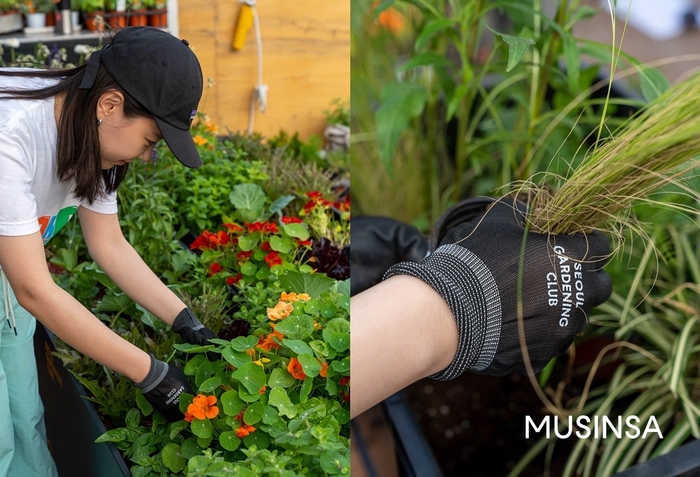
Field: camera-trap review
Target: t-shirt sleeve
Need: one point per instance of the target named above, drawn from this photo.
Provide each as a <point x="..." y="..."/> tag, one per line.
<point x="103" y="205"/>
<point x="18" y="210"/>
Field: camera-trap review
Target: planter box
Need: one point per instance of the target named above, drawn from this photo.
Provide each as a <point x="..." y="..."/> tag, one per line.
<point x="72" y="423"/>
<point x="10" y="22"/>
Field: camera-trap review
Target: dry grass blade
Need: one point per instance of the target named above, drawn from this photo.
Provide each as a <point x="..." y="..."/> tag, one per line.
<point x="655" y="147"/>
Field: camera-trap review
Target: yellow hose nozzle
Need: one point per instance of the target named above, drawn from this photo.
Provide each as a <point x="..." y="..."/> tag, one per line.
<point x="243" y="24"/>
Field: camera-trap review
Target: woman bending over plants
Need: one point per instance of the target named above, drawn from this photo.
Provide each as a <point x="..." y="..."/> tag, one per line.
<point x="66" y="140"/>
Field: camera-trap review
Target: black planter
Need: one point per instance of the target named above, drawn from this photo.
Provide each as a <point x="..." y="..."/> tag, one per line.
<point x="72" y="423"/>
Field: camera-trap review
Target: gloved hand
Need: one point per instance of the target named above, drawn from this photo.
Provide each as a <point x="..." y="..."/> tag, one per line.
<point x="191" y="330"/>
<point x="162" y="387"/>
<point x="475" y="270"/>
<point x="377" y="244"/>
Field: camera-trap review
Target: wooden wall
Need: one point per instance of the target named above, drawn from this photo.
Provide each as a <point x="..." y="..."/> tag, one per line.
<point x="306" y="61"/>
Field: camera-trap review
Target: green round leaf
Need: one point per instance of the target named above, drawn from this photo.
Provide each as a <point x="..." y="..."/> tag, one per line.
<point x="231" y="402"/>
<point x="335" y="463"/>
<point x="201" y="428"/>
<point x="342" y="366"/>
<point x="236" y="358"/>
<point x="229" y="440"/>
<point x="172" y="457"/>
<point x="280" y="378"/>
<point x="258" y="439"/>
<point x="247" y="242"/>
<point x="192" y="364"/>
<point x="309" y="364"/>
<point x="280" y="399"/>
<point x="320" y="348"/>
<point x="254" y="413"/>
<point x="282" y="245"/>
<point x="190" y="448"/>
<point x="336" y="325"/>
<point x="339" y="341"/>
<point x="328" y="311"/>
<point x="210" y="385"/>
<point x="313" y="307"/>
<point x="143" y="404"/>
<point x="296" y="230"/>
<point x="251" y="376"/>
<point x="244" y="343"/>
<point x="248" y="269"/>
<point x="298" y="346"/>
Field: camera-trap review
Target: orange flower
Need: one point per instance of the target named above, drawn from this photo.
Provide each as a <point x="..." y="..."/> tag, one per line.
<point x="188" y="417"/>
<point x="263" y="389"/>
<point x="202" y="407"/>
<point x="294" y="297"/>
<point x="211" y="127"/>
<point x="391" y="20"/>
<point x="281" y="310"/>
<point x="268" y="343"/>
<point x="295" y="369"/>
<point x="324" y="368"/>
<point x="199" y="140"/>
<point x="244" y="430"/>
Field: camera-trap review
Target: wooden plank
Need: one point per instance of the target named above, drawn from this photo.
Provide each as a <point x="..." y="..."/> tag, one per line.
<point x="306" y="62"/>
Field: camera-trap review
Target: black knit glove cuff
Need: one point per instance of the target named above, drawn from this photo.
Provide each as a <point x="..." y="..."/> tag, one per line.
<point x="470" y="290"/>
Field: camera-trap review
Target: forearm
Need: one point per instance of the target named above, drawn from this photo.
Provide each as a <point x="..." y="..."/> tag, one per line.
<point x="75" y="325"/>
<point x="402" y="331"/>
<point x="131" y="274"/>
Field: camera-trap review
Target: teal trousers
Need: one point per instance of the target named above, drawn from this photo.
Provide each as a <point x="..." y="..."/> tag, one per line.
<point x="23" y="448"/>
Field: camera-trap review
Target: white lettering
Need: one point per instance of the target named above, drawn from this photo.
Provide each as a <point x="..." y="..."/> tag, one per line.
<point x="585" y="427"/>
<point x="544" y="423"/>
<point x="556" y="427"/>
<point x="632" y="426"/>
<point x="608" y="423"/>
<point x="652" y="420"/>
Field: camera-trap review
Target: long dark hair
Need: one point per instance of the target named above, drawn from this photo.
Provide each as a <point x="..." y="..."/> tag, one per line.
<point x="78" y="145"/>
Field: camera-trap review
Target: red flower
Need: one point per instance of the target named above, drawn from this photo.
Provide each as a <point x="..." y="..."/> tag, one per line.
<point x="324" y="369"/>
<point x="291" y="220"/>
<point x="223" y="238"/>
<point x="206" y="241"/>
<point x="273" y="259"/>
<point x="214" y="268"/>
<point x="244" y="255"/>
<point x="304" y="243"/>
<point x="315" y="198"/>
<point x="264" y="227"/>
<point x="234" y="228"/>
<point x="230" y="281"/>
<point x="265" y="246"/>
<point x="295" y="369"/>
<point x="344" y="381"/>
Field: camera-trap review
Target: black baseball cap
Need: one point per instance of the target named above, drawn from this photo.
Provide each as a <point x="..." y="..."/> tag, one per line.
<point x="160" y="72"/>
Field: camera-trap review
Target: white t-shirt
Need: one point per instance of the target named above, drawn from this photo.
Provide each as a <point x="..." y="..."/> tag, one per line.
<point x="31" y="196"/>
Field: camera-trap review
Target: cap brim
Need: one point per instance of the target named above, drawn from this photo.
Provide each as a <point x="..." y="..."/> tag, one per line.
<point x="180" y="143"/>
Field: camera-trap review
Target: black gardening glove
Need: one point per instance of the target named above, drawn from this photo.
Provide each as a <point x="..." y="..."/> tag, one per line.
<point x="162" y="387"/>
<point x="475" y="270"/>
<point x="377" y="244"/>
<point x="191" y="330"/>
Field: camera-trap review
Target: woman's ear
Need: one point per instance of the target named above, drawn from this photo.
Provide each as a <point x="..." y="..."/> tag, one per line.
<point x="111" y="102"/>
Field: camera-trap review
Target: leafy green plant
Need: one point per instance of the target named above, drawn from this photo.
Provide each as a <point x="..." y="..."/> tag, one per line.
<point x="277" y="396"/>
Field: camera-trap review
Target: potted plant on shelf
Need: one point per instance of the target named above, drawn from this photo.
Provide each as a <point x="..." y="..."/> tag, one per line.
<point x="93" y="14"/>
<point x="158" y="13"/>
<point x="116" y="13"/>
<point x="10" y="16"/>
<point x="137" y="13"/>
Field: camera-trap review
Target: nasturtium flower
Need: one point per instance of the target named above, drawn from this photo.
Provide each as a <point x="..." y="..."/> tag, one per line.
<point x="199" y="140"/>
<point x="230" y="281"/>
<point x="293" y="296"/>
<point x="324" y="369"/>
<point x="291" y="220"/>
<point x="268" y="343"/>
<point x="244" y="430"/>
<point x="211" y="127"/>
<point x="244" y="255"/>
<point x="272" y="259"/>
<point x="234" y="228"/>
<point x="295" y="369"/>
<point x="202" y="407"/>
<point x="214" y="268"/>
<point x="280" y="311"/>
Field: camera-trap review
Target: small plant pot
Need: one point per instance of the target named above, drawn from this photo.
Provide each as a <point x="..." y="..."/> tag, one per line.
<point x="116" y="19"/>
<point x="50" y="19"/>
<point x="36" y="20"/>
<point x="138" y="17"/>
<point x="90" y="23"/>
<point x="158" y="18"/>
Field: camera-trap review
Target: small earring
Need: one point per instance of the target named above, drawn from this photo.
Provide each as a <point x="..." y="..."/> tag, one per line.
<point x="99" y="121"/>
